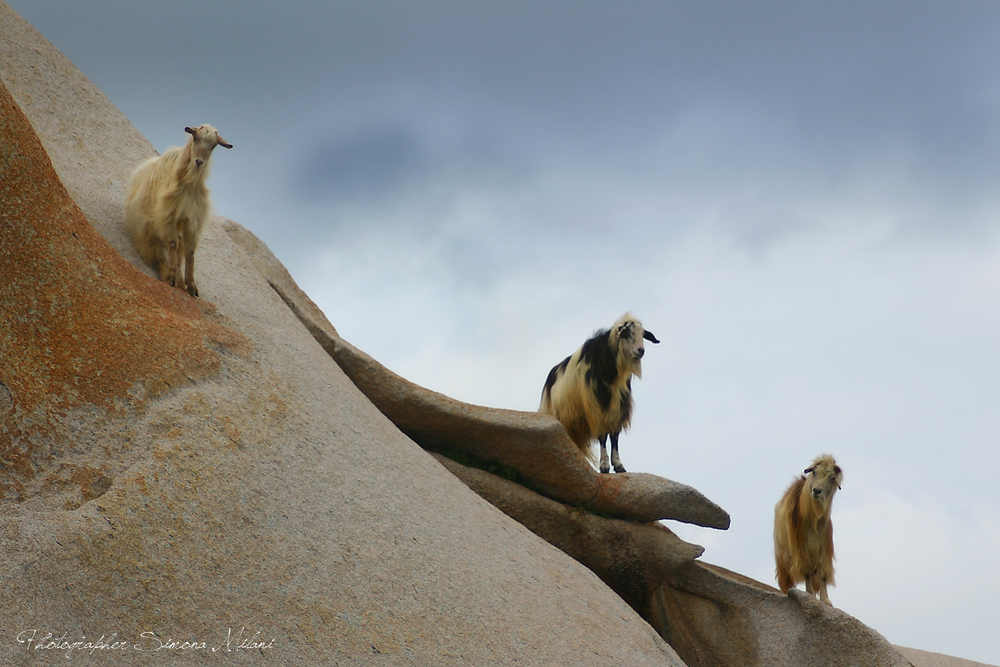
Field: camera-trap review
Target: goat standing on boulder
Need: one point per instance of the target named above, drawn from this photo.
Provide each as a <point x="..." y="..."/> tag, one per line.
<point x="803" y="532"/>
<point x="590" y="392"/>
<point x="167" y="206"/>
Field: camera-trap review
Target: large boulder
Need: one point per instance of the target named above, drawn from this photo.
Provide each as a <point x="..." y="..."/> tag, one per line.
<point x="185" y="467"/>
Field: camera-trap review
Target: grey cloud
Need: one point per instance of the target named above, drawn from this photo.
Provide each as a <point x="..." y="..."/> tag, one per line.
<point x="840" y="79"/>
<point x="368" y="163"/>
<point x="793" y="97"/>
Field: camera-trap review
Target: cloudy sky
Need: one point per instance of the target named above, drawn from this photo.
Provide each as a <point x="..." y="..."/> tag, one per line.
<point x="800" y="199"/>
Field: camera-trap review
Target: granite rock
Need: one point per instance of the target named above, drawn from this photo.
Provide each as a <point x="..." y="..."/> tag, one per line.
<point x="197" y="468"/>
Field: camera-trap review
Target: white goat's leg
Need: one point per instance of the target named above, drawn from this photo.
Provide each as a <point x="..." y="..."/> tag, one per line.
<point x="605" y="467"/>
<point x="163" y="260"/>
<point x="189" y="273"/>
<point x="171" y="273"/>
<point x="615" y="460"/>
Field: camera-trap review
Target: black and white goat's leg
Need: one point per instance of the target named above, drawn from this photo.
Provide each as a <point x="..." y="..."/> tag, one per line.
<point x="605" y="467"/>
<point x="615" y="461"/>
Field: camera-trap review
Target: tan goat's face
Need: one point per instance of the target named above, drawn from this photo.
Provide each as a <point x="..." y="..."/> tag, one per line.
<point x="206" y="138"/>
<point x="823" y="479"/>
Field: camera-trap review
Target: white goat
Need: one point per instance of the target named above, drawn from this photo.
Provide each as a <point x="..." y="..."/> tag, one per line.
<point x="167" y="206"/>
<point x="590" y="392"/>
<point x="803" y="531"/>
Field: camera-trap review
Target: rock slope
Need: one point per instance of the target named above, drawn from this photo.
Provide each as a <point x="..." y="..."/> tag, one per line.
<point x="194" y="468"/>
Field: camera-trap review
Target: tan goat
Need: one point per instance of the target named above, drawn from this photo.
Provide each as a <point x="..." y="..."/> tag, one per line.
<point x="803" y="532"/>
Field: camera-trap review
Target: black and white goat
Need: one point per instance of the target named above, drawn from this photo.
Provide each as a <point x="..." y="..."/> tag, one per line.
<point x="590" y="392"/>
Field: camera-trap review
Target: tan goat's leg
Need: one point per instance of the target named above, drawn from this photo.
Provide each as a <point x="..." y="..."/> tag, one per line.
<point x="189" y="273"/>
<point x="822" y="593"/>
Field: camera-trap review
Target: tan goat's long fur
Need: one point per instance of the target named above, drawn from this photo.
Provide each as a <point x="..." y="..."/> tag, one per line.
<point x="803" y="531"/>
<point x="167" y="206"/>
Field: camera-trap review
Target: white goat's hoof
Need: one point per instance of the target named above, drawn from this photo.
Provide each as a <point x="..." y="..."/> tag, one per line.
<point x="605" y="468"/>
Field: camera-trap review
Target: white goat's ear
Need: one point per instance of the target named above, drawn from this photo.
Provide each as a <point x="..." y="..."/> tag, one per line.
<point x="222" y="142"/>
<point x="190" y="130"/>
<point x="648" y="335"/>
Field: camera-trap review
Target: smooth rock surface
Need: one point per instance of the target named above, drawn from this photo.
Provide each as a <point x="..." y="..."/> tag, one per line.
<point x="928" y="659"/>
<point x="643" y="497"/>
<point x="531" y="443"/>
<point x="247" y="483"/>
<point x="715" y="617"/>
<point x="632" y="558"/>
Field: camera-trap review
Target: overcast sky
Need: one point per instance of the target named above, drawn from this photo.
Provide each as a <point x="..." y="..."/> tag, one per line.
<point x="798" y="198"/>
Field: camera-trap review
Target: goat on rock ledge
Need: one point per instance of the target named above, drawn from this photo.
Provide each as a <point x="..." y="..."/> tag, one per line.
<point x="803" y="531"/>
<point x="167" y="206"/>
<point x="590" y="392"/>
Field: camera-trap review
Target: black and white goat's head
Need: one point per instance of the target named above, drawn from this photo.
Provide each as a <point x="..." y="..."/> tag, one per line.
<point x="627" y="337"/>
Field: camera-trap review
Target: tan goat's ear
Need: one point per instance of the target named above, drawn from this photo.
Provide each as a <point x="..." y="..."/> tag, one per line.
<point x="222" y="142"/>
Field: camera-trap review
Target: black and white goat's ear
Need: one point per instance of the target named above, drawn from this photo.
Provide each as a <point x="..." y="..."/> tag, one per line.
<point x="648" y="335"/>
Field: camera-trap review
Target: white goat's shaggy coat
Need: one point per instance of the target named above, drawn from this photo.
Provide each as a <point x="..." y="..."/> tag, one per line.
<point x="167" y="206"/>
<point x="803" y="531"/>
<point x="590" y="392"/>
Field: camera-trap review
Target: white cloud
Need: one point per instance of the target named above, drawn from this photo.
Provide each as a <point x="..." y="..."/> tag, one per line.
<point x="877" y="348"/>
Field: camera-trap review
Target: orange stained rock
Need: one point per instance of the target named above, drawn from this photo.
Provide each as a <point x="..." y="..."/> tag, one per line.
<point x="79" y="325"/>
